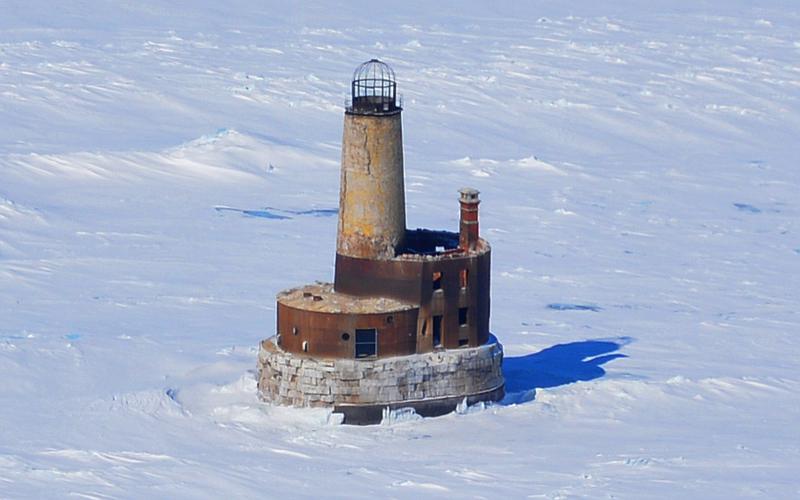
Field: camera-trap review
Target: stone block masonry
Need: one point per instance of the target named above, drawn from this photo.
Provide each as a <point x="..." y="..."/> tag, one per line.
<point x="432" y="382"/>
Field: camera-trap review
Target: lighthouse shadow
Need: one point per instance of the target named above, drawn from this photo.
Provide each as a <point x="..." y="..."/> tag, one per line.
<point x="558" y="365"/>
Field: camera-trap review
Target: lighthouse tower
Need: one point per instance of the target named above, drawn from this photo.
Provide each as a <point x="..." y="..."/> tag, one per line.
<point x="406" y="321"/>
<point x="372" y="208"/>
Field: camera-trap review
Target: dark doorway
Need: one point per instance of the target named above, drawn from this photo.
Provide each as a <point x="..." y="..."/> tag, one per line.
<point x="437" y="331"/>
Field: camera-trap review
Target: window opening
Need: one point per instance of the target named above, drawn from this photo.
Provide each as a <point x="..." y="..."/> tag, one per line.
<point x="463" y="342"/>
<point x="437" y="280"/>
<point x="305" y="346"/>
<point x="462" y="315"/>
<point x="424" y="328"/>
<point x="437" y="331"/>
<point x="345" y="336"/>
<point x="366" y="342"/>
<point x="464" y="278"/>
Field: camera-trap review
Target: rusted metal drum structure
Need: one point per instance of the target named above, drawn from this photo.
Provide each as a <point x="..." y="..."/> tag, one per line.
<point x="406" y="321"/>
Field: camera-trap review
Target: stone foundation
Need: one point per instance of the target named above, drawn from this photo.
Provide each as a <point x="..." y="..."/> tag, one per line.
<point x="432" y="383"/>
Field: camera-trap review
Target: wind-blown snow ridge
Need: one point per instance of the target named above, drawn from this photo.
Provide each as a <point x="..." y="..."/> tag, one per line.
<point x="10" y="211"/>
<point x="485" y="167"/>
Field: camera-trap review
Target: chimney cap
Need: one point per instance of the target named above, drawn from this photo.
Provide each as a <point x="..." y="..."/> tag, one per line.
<point x="469" y="194"/>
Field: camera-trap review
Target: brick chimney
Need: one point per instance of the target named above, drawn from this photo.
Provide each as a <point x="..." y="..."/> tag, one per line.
<point x="468" y="229"/>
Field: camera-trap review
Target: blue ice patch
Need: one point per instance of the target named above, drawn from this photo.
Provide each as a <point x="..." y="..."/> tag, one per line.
<point x="278" y="214"/>
<point x="72" y="336"/>
<point x="265" y="214"/>
<point x="560" y="306"/>
<point x="319" y="212"/>
<point x="744" y="207"/>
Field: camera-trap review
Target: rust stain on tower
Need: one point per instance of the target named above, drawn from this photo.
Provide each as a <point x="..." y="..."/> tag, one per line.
<point x="406" y="321"/>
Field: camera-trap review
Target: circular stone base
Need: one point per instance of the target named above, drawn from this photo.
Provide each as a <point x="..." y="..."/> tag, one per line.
<point x="431" y="383"/>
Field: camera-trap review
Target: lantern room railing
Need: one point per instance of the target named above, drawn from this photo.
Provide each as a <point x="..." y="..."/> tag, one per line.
<point x="373" y="89"/>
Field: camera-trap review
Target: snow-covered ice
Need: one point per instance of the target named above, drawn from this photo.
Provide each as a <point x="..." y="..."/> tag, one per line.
<point x="167" y="167"/>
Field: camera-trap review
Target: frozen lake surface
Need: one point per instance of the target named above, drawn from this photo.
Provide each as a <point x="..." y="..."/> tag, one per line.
<point x="167" y="168"/>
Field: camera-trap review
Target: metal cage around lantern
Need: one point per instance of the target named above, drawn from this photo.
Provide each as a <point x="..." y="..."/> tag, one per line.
<point x="373" y="89"/>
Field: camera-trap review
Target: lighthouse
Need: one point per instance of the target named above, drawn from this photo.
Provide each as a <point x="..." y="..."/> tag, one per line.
<point x="406" y="321"/>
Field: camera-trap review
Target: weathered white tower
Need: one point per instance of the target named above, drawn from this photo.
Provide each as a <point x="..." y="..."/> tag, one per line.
<point x="372" y="216"/>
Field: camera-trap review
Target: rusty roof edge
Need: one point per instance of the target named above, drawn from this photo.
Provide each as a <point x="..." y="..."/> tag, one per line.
<point x="483" y="247"/>
<point x="321" y="297"/>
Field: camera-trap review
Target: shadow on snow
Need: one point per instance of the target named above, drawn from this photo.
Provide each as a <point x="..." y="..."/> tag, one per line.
<point x="558" y="365"/>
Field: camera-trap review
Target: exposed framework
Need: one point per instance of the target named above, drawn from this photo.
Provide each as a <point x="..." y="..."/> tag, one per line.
<point x="373" y="89"/>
